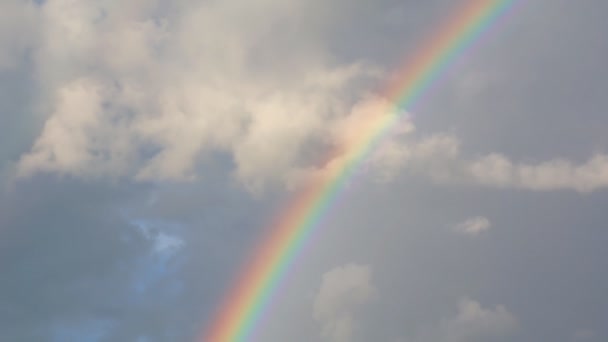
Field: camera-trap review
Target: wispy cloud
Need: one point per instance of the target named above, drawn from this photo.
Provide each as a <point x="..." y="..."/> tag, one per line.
<point x="473" y="226"/>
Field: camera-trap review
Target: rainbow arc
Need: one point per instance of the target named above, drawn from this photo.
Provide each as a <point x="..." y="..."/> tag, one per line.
<point x="249" y="299"/>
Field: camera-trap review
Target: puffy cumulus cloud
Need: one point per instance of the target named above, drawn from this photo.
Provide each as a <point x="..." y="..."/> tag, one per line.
<point x="438" y="157"/>
<point x="397" y="150"/>
<point x="474" y="323"/>
<point x="348" y="136"/>
<point x="77" y="137"/>
<point x="148" y="89"/>
<point x="343" y="290"/>
<point x="291" y="132"/>
<point x="432" y="156"/>
<point x="473" y="226"/>
<point x="471" y="323"/>
<point x="498" y="171"/>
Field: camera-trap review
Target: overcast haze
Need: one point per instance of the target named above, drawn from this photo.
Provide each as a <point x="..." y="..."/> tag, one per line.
<point x="145" y="144"/>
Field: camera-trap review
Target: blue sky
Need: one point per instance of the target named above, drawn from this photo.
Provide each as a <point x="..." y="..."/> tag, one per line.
<point x="145" y="145"/>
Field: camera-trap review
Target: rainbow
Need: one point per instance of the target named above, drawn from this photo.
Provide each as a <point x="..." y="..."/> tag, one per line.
<point x="247" y="301"/>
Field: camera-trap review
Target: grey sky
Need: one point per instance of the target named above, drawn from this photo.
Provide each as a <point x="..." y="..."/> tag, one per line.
<point x="144" y="147"/>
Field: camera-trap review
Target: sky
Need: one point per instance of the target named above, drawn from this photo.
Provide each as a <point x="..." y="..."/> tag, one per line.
<point x="146" y="145"/>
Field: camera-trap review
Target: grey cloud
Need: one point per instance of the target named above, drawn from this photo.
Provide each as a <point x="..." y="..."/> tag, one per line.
<point x="474" y="323"/>
<point x="473" y="226"/>
<point x="439" y="157"/>
<point x="496" y="170"/>
<point x="471" y="323"/>
<point x="343" y="290"/>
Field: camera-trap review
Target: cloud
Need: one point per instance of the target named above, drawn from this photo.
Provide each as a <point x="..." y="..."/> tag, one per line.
<point x="343" y="290"/>
<point x="138" y="92"/>
<point x="164" y="243"/>
<point x="473" y="226"/>
<point x="471" y="323"/>
<point x="474" y="323"/>
<point x="439" y="158"/>
<point x="431" y="156"/>
<point x="498" y="171"/>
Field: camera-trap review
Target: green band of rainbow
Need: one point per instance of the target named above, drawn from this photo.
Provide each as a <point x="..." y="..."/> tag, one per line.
<point x="246" y="302"/>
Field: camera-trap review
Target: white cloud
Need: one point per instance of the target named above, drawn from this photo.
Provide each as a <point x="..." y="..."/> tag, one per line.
<point x="143" y="91"/>
<point x="79" y="136"/>
<point x="473" y="226"/>
<point x="163" y="243"/>
<point x="131" y="92"/>
<point x="471" y="323"/>
<point x="439" y="157"/>
<point x="352" y="130"/>
<point x="496" y="170"/>
<point x="431" y="156"/>
<point x="343" y="290"/>
<point x="474" y="323"/>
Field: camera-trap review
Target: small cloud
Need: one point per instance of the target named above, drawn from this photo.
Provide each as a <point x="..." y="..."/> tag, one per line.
<point x="557" y="174"/>
<point x="164" y="243"/>
<point x="343" y="290"/>
<point x="473" y="226"/>
<point x="471" y="323"/>
<point x="475" y="323"/>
